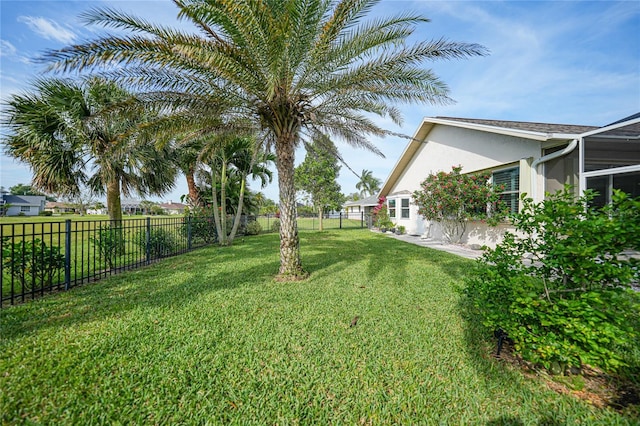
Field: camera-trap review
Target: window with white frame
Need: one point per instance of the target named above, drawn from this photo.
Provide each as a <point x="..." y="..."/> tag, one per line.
<point x="509" y="181"/>
<point x="392" y="208"/>
<point x="25" y="209"/>
<point x="404" y="208"/>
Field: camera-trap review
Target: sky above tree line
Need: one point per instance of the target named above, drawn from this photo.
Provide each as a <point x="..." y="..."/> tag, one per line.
<point x="568" y="62"/>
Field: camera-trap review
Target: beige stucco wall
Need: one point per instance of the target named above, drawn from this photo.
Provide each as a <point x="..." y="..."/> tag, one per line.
<point x="445" y="147"/>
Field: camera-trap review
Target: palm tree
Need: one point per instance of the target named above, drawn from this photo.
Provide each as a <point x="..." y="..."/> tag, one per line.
<point x="186" y="157"/>
<point x="76" y="133"/>
<point x="368" y="185"/>
<point x="298" y="68"/>
<point x="234" y="160"/>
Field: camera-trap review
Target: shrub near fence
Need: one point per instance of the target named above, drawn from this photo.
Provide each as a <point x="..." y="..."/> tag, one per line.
<point x="40" y="257"/>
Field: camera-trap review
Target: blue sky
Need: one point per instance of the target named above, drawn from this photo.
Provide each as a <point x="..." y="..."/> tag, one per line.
<point x="569" y="62"/>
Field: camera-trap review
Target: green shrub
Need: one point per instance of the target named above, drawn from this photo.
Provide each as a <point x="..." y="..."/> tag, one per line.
<point x="31" y="263"/>
<point x="275" y="226"/>
<point x="253" y="228"/>
<point x="45" y="213"/>
<point x="202" y="226"/>
<point x="110" y="242"/>
<point x="569" y="302"/>
<point x="161" y="242"/>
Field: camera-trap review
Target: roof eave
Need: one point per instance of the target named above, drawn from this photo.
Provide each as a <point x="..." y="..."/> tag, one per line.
<point x="539" y="136"/>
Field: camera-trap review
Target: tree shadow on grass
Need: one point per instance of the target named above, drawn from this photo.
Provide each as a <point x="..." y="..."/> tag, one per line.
<point x="173" y="281"/>
<point x="322" y="256"/>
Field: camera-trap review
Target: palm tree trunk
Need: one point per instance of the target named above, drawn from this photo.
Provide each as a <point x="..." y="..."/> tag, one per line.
<point x="223" y="204"/>
<point x="194" y="194"/>
<point x="290" y="264"/>
<point x="236" y="221"/>
<point x="214" y="202"/>
<point x="320" y="227"/>
<point x="114" y="204"/>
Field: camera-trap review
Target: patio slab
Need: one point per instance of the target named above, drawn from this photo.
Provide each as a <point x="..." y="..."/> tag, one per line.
<point x="456" y="249"/>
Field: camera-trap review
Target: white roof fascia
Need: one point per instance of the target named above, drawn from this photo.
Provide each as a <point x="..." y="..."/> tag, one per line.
<point x="539" y="136"/>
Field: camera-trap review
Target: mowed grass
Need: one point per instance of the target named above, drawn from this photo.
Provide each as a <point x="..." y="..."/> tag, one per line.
<point x="210" y="337"/>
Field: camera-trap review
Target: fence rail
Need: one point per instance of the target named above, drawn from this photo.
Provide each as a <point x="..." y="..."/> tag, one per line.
<point x="43" y="257"/>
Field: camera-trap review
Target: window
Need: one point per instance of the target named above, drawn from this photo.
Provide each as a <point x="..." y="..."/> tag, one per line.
<point x="404" y="212"/>
<point x="392" y="208"/>
<point x="509" y="180"/>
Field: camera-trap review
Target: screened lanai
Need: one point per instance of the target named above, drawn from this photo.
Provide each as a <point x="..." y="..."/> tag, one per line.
<point x="610" y="159"/>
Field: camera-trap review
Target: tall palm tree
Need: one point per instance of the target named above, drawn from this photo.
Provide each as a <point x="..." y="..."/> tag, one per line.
<point x="368" y="185"/>
<point x="298" y="68"/>
<point x="75" y="133"/>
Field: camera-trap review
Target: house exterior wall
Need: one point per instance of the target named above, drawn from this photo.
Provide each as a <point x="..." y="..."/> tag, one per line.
<point x="474" y="150"/>
<point x="30" y="205"/>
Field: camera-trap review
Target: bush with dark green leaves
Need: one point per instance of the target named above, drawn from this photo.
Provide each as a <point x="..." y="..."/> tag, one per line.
<point x="110" y="242"/>
<point x="561" y="285"/>
<point x="32" y="264"/>
<point x="199" y="226"/>
<point x="160" y="243"/>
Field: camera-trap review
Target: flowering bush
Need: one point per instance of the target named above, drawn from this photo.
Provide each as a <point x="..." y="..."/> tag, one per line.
<point x="381" y="214"/>
<point x="454" y="198"/>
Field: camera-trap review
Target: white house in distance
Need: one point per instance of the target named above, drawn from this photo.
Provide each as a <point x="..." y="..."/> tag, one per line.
<point x="22" y="205"/>
<point x="173" y="208"/>
<point x="531" y="158"/>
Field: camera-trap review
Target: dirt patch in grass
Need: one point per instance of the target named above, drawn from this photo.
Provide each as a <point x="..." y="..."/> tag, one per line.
<point x="590" y="385"/>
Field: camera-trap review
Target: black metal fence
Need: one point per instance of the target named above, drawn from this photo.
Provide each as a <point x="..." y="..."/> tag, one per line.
<point x="40" y="257"/>
<point x="43" y="257"/>
<point x="339" y="220"/>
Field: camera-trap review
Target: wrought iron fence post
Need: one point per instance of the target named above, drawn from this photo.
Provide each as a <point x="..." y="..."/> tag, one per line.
<point x="361" y="219"/>
<point x="148" y="240"/>
<point x="340" y="220"/>
<point x="188" y="232"/>
<point x="67" y="254"/>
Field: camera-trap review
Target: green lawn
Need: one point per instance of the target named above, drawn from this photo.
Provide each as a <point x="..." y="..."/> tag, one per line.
<point x="209" y="337"/>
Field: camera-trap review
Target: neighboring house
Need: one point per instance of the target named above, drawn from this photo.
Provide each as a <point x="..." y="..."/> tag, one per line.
<point x="531" y="158"/>
<point x="355" y="209"/>
<point x="100" y="211"/>
<point x="22" y="205"/>
<point x="173" y="208"/>
<point x="131" y="206"/>
<point x="56" y="207"/>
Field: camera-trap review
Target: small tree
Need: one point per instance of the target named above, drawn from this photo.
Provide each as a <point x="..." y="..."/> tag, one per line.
<point x="317" y="177"/>
<point x="453" y="198"/>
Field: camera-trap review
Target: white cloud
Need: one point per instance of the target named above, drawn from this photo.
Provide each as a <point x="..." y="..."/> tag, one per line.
<point x="48" y="28"/>
<point x="7" y="49"/>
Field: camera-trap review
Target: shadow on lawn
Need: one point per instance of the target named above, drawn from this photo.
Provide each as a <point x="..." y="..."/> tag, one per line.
<point x="321" y="256"/>
<point x="174" y="281"/>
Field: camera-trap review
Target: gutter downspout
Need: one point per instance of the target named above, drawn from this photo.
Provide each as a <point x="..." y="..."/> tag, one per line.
<point x="536" y="163"/>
